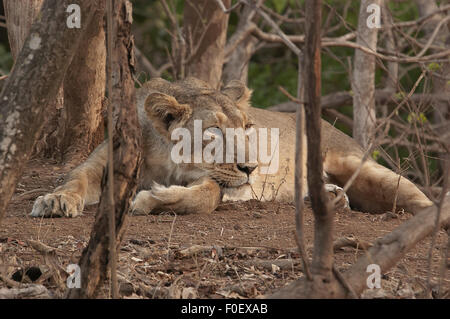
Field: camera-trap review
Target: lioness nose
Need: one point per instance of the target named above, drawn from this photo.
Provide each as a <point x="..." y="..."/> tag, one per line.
<point x="247" y="168"/>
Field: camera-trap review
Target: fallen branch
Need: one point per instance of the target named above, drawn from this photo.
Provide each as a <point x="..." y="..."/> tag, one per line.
<point x="40" y="247"/>
<point x="351" y="241"/>
<point x="386" y="252"/>
<point x="32" y="291"/>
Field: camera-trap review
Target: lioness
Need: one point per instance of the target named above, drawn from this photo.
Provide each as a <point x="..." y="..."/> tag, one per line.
<point x="199" y="187"/>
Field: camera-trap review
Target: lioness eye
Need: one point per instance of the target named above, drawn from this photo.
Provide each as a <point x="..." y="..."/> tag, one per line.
<point x="249" y="125"/>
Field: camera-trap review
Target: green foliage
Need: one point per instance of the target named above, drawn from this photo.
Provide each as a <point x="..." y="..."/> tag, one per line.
<point x="6" y="60"/>
<point x="433" y="67"/>
<point x="279" y="5"/>
<point x="375" y="154"/>
<point x="275" y="66"/>
<point x="265" y="78"/>
<point x="400" y="95"/>
<point x="414" y="117"/>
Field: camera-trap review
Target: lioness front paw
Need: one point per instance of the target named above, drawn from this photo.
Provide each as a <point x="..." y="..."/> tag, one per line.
<point x="54" y="205"/>
<point x="336" y="191"/>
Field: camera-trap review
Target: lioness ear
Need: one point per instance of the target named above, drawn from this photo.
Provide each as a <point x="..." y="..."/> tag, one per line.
<point x="238" y="92"/>
<point x="166" y="113"/>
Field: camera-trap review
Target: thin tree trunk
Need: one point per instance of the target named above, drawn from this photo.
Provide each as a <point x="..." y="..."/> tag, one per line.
<point x="33" y="83"/>
<point x="392" y="76"/>
<point x="205" y="31"/>
<point x="322" y="262"/>
<point x="237" y="65"/>
<point x="20" y="15"/>
<point x="84" y="93"/>
<point x="386" y="252"/>
<point x="441" y="85"/>
<point x="95" y="257"/>
<point x="363" y="82"/>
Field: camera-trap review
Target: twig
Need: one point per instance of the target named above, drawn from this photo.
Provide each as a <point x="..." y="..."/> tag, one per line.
<point x="438" y="216"/>
<point x="350" y="242"/>
<point x="300" y="156"/>
<point x="343" y="42"/>
<point x="41" y="247"/>
<point x="282" y="17"/>
<point x="275" y="26"/>
<point x="225" y="10"/>
<point x="170" y="235"/>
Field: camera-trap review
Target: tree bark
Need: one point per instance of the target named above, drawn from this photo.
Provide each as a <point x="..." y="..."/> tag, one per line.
<point x="322" y="262"/>
<point x="126" y="141"/>
<point x="20" y="15"/>
<point x="33" y="83"/>
<point x="441" y="85"/>
<point x="237" y="65"/>
<point x="84" y="93"/>
<point x="205" y="31"/>
<point x="363" y="82"/>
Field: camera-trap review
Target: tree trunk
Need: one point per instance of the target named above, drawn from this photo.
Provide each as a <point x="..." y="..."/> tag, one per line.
<point x="237" y="65"/>
<point x="33" y="83"/>
<point x="322" y="262"/>
<point x="205" y="31"/>
<point x="441" y="85"/>
<point x="363" y="82"/>
<point x="84" y="93"/>
<point x="126" y="141"/>
<point x="20" y="15"/>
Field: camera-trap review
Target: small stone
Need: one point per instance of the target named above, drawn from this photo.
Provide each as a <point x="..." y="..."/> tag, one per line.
<point x="257" y="215"/>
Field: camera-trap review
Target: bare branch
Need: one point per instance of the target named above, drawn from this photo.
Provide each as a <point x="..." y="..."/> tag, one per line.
<point x="225" y="10"/>
<point x="277" y="29"/>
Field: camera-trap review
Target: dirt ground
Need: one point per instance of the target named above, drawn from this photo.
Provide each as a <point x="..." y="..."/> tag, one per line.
<point x="242" y="250"/>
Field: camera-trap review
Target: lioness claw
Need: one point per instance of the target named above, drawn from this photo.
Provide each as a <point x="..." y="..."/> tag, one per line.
<point x="54" y="205"/>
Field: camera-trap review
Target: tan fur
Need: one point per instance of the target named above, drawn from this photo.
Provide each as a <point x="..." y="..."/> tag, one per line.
<point x="198" y="188"/>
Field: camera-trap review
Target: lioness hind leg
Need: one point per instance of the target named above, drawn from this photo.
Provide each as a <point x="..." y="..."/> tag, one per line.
<point x="83" y="186"/>
<point x="376" y="188"/>
<point x="200" y="197"/>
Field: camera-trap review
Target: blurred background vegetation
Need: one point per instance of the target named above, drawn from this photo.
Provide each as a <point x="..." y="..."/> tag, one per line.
<point x="273" y="65"/>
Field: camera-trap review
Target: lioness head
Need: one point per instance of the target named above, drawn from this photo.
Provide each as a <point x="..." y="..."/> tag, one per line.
<point x="209" y="117"/>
